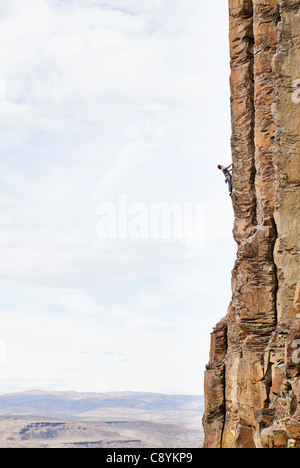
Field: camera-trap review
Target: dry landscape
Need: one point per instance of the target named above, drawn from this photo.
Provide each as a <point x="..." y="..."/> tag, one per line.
<point x="118" y="420"/>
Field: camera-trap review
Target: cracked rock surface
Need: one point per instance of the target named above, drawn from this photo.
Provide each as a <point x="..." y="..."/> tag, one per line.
<point x="252" y="382"/>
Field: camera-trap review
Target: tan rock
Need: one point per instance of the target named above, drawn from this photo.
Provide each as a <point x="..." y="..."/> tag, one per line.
<point x="259" y="374"/>
<point x="278" y="376"/>
<point x="214" y="383"/>
<point x="297" y="299"/>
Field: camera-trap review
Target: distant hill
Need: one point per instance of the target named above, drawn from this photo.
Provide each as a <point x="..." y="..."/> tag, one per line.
<point x="100" y="406"/>
<point x="68" y="419"/>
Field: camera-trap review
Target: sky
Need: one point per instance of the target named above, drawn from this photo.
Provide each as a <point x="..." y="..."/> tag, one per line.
<point x="101" y="102"/>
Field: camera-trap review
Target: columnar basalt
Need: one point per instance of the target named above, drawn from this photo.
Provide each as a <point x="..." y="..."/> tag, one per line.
<point x="252" y="382"/>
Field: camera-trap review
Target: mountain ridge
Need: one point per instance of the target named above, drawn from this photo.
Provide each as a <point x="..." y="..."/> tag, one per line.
<point x="92" y="405"/>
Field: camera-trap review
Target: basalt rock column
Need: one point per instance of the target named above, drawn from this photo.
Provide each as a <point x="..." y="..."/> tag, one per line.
<point x="258" y="371"/>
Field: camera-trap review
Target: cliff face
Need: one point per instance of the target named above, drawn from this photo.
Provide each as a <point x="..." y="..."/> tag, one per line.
<point x="252" y="382"/>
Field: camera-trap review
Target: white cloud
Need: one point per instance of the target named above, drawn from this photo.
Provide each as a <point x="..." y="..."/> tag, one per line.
<point x="101" y="100"/>
<point x="72" y="338"/>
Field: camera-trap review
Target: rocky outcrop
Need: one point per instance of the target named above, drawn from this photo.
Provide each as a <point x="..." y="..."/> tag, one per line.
<point x="252" y="382"/>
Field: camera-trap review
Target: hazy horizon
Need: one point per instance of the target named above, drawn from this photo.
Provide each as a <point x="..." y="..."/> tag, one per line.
<point x="37" y="390"/>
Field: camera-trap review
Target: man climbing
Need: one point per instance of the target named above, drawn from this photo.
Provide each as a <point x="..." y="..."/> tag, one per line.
<point x="228" y="177"/>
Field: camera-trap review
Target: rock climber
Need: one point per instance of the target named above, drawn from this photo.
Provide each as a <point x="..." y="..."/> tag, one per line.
<point x="228" y="177"/>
